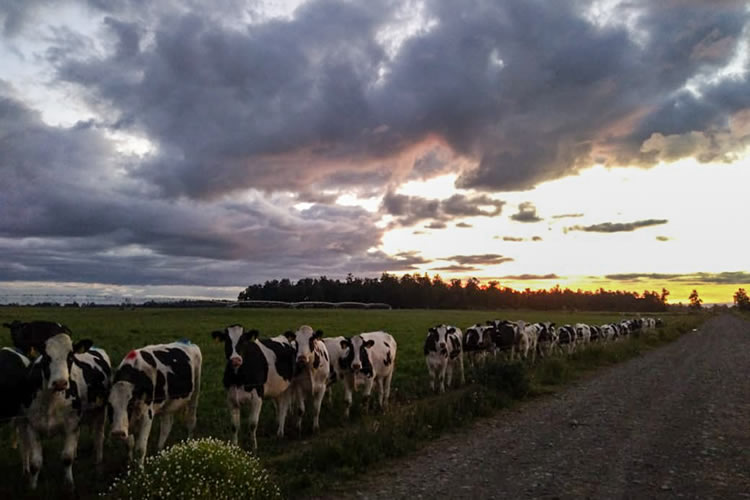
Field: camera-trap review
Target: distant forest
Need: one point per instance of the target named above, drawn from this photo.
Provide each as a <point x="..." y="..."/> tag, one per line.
<point x="416" y="291"/>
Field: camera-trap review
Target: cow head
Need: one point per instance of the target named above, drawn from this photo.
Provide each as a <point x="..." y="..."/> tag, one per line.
<point x="29" y="337"/>
<point x="360" y="356"/>
<point x="305" y="340"/>
<point x="235" y="338"/>
<point x="131" y="394"/>
<point x="437" y="339"/>
<point x="56" y="359"/>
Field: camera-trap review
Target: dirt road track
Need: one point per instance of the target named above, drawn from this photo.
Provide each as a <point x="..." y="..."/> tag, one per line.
<point x="673" y="423"/>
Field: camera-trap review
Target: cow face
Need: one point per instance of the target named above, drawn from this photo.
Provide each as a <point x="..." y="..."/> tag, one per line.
<point x="473" y="338"/>
<point x="360" y="355"/>
<point x="30" y="337"/>
<point x="56" y="359"/>
<point x="305" y="341"/>
<point x="131" y="394"/>
<point x="235" y="338"/>
<point x="438" y="339"/>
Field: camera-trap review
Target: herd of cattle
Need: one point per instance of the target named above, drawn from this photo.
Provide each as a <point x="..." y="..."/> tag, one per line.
<point x="50" y="384"/>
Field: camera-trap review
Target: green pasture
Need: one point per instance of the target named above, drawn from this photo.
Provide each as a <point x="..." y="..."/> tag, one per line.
<point x="120" y="330"/>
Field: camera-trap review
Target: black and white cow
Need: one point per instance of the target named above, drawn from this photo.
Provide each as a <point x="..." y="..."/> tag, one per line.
<point x="546" y="338"/>
<point x="256" y="369"/>
<point x="67" y="385"/>
<point x="504" y="335"/>
<point x="608" y="332"/>
<point x="528" y="335"/>
<point x="159" y="379"/>
<point x="596" y="333"/>
<point x="443" y="350"/>
<point x="583" y="334"/>
<point x="14" y="367"/>
<point x="566" y="338"/>
<point x="371" y="356"/>
<point x="28" y="336"/>
<point x="311" y="371"/>
<point x="477" y="342"/>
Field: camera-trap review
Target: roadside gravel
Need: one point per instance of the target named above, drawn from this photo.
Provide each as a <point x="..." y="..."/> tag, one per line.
<point x="673" y="423"/>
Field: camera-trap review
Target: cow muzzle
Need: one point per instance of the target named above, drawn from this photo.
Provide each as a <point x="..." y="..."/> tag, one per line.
<point x="356" y="367"/>
<point x="59" y="385"/>
<point x="236" y="362"/>
<point x="120" y="434"/>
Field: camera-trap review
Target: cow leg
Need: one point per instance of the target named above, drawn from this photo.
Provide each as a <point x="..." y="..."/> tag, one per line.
<point x="348" y="390"/>
<point x="98" y="430"/>
<point x="433" y="378"/>
<point x="447" y="377"/>
<point x="381" y="392"/>
<point x="317" y="401"/>
<point x="35" y="456"/>
<point x="166" y="421"/>
<point x="256" y="403"/>
<point x="461" y="368"/>
<point x="300" y="409"/>
<point x="367" y="392"/>
<point x="282" y="408"/>
<point x="191" y="416"/>
<point x="23" y="444"/>
<point x="234" y="414"/>
<point x="387" y="389"/>
<point x="72" y="433"/>
<point x="141" y="442"/>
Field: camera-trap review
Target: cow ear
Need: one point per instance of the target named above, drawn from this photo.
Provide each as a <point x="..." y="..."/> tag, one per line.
<point x="451" y="330"/>
<point x="368" y="343"/>
<point x="318" y="334"/>
<point x="218" y="335"/>
<point x="66" y="329"/>
<point x="253" y="334"/>
<point x="289" y="335"/>
<point x="82" y="346"/>
<point x="8" y="325"/>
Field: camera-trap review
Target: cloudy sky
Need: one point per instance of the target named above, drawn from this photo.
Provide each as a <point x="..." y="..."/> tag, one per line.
<point x="188" y="148"/>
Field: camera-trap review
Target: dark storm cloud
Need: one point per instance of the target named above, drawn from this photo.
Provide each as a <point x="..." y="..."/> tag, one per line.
<point x="726" y="278"/>
<point x="617" y="227"/>
<point x="663" y="238"/>
<point x="463" y="225"/>
<point x="512" y="238"/>
<point x="409" y="210"/>
<point x="529" y="91"/>
<point x="68" y="216"/>
<point x="526" y="213"/>
<point x="479" y="260"/>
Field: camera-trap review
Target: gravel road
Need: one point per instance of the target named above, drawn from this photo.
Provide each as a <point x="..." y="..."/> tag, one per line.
<point x="673" y="423"/>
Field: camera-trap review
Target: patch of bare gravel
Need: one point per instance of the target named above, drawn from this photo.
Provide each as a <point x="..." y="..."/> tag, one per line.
<point x="673" y="423"/>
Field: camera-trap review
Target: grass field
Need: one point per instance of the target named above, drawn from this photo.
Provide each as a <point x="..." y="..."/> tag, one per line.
<point x="343" y="448"/>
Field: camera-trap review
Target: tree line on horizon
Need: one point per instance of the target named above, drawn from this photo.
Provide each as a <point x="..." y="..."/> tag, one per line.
<point x="415" y="291"/>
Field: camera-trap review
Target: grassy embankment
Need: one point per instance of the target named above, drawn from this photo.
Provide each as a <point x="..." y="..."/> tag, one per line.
<point x="343" y="448"/>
